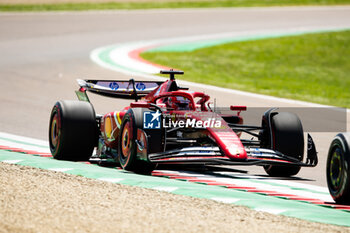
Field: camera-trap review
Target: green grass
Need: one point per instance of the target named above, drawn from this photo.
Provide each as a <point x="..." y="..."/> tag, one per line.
<point x="313" y="67"/>
<point x="155" y="5"/>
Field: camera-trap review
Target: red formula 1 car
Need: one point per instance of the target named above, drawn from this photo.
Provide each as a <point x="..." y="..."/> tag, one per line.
<point x="169" y="124"/>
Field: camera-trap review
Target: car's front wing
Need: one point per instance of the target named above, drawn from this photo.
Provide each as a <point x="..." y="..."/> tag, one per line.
<point x="213" y="155"/>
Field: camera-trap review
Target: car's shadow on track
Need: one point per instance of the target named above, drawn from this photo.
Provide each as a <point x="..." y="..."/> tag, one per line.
<point x="217" y="171"/>
<point x="225" y="172"/>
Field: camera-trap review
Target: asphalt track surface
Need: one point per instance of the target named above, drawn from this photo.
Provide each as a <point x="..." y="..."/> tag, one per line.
<point x="43" y="53"/>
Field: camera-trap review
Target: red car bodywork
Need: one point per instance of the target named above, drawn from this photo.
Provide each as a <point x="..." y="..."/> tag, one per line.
<point x="225" y="137"/>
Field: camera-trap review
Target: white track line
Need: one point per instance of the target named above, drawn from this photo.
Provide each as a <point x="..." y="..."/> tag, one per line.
<point x="59" y="169"/>
<point x="120" y="52"/>
<point x="165" y="188"/>
<point x="12" y="161"/>
<point x="24" y="146"/>
<point x="280" y="182"/>
<point x="225" y="200"/>
<point x="112" y="180"/>
<point x="286" y="187"/>
<point x="24" y="139"/>
<point x="271" y="210"/>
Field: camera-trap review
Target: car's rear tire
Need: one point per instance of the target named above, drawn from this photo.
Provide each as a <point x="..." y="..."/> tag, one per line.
<point x="72" y="130"/>
<point x="127" y="148"/>
<point x="338" y="168"/>
<point x="287" y="138"/>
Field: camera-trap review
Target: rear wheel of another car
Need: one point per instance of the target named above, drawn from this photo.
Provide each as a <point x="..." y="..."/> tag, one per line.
<point x="338" y="168"/>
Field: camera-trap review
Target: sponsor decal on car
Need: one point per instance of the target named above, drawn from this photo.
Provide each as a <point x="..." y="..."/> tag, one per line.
<point x="140" y="86"/>
<point x="192" y="123"/>
<point x="114" y="86"/>
<point x="152" y="120"/>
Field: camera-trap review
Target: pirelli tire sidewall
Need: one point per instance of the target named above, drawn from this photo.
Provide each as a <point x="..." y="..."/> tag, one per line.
<point x="287" y="138"/>
<point x="126" y="142"/>
<point x="72" y="130"/>
<point x="338" y="168"/>
<point x="133" y="119"/>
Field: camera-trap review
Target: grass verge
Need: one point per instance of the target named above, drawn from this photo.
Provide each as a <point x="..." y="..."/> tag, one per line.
<point x="167" y="4"/>
<point x="313" y="67"/>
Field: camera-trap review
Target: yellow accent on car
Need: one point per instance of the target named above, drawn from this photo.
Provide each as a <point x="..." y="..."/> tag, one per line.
<point x="117" y="119"/>
<point x="108" y="127"/>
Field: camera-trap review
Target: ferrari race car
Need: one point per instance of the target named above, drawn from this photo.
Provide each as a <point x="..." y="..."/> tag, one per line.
<point x="167" y="124"/>
<point x="338" y="168"/>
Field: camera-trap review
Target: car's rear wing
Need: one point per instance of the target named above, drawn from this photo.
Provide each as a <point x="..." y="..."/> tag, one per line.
<point x="116" y="88"/>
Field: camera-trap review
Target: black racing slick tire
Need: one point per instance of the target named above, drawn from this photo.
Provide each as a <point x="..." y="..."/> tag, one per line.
<point x="72" y="130"/>
<point x="287" y="138"/>
<point x="127" y="147"/>
<point x="338" y="169"/>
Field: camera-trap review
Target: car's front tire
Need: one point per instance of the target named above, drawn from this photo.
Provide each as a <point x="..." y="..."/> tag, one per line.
<point x="287" y="138"/>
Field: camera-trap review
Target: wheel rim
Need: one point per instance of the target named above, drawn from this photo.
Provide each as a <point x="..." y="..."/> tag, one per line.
<point x="336" y="169"/>
<point x="126" y="140"/>
<point x="55" y="131"/>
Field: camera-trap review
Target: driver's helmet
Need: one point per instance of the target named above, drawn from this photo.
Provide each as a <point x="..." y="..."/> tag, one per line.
<point x="177" y="103"/>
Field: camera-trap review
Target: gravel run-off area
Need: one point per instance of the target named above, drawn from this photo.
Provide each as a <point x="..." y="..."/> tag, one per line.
<point x="35" y="200"/>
